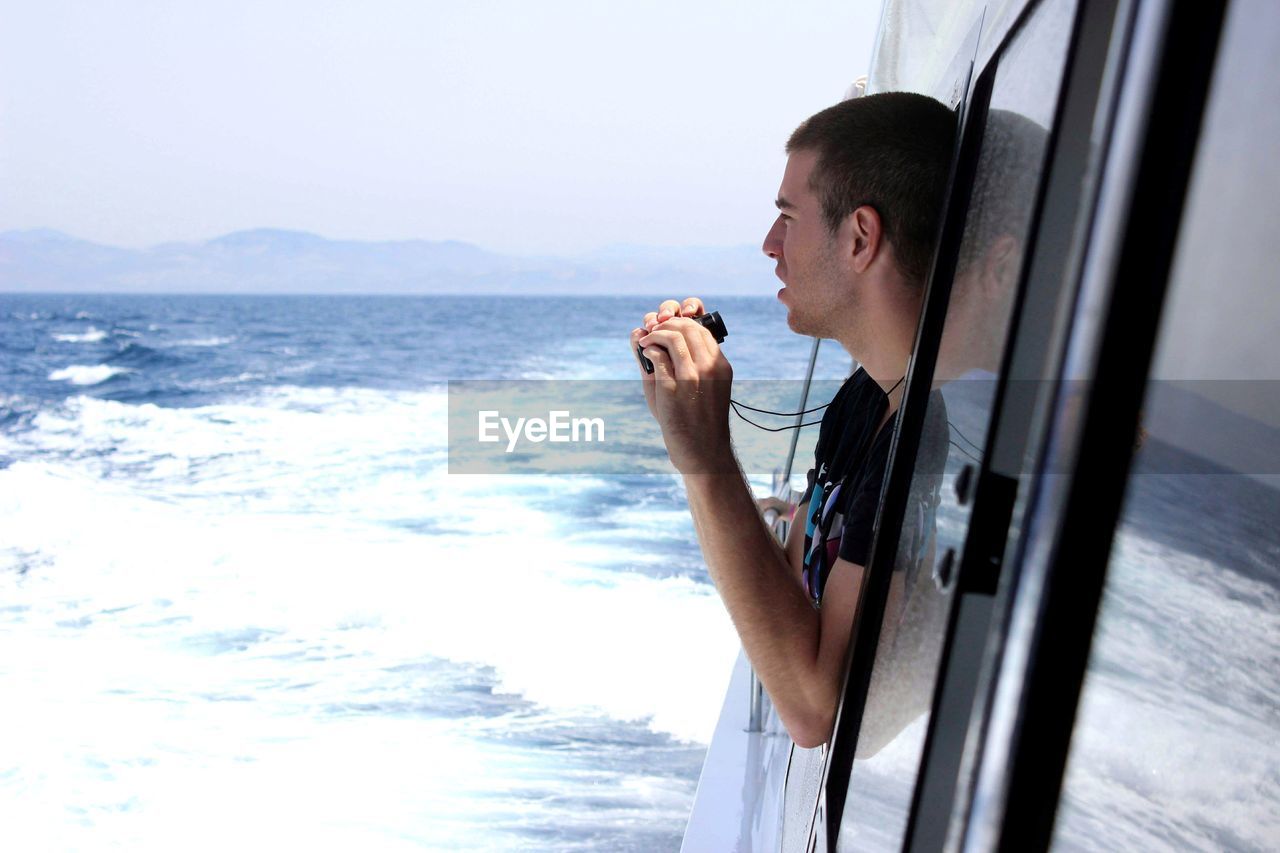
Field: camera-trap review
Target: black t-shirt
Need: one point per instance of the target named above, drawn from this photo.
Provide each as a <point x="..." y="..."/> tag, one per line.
<point x="844" y="485"/>
<point x="850" y="463"/>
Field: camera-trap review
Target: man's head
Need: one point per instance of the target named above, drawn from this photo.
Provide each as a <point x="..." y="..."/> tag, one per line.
<point x="991" y="250"/>
<point x="859" y="208"/>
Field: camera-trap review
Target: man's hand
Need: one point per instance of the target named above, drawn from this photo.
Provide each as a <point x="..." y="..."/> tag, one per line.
<point x="691" y="307"/>
<point x="777" y="506"/>
<point x="688" y="391"/>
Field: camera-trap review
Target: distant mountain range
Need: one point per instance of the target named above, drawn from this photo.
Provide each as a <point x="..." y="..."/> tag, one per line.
<point x="276" y="261"/>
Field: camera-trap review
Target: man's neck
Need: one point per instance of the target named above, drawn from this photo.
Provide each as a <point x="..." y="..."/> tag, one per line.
<point x="880" y="339"/>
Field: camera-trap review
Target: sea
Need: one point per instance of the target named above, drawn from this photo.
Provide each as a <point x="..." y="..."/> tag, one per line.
<point x="245" y="604"/>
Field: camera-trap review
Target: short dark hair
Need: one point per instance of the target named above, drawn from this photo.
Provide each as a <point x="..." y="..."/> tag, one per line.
<point x="891" y="151"/>
<point x="1003" y="196"/>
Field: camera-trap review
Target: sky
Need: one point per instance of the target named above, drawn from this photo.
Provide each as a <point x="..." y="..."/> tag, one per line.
<point x="551" y="127"/>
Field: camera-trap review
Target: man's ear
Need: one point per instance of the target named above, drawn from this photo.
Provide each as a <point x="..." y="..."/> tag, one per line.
<point x="865" y="237"/>
<point x="1000" y="265"/>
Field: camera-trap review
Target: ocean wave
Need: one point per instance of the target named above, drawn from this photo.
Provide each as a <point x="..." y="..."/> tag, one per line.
<point x="90" y="336"/>
<point x="405" y="589"/>
<point x="246" y="376"/>
<point x="86" y="374"/>
<point x="268" y="443"/>
<point x="204" y="342"/>
<point x="139" y="356"/>
<point x="15" y="413"/>
<point x="294" y="486"/>
<point x="294" y="646"/>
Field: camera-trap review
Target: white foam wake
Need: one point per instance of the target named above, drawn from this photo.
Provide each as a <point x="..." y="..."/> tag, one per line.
<point x="85" y="374"/>
<point x="296" y="513"/>
<point x="90" y="336"/>
<point x="1175" y="738"/>
<point x="252" y="605"/>
<point x="204" y="342"/>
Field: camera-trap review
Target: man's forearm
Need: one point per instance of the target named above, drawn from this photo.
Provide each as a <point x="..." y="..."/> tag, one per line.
<point x="778" y="626"/>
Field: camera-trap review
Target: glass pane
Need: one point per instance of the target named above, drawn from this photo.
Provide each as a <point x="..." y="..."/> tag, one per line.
<point x="1176" y="739"/>
<point x="1014" y="145"/>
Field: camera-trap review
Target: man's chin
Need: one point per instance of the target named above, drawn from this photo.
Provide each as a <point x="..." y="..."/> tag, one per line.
<point x="795" y="323"/>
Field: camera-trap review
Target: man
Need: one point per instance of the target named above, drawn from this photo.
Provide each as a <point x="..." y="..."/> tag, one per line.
<point x="858" y="212"/>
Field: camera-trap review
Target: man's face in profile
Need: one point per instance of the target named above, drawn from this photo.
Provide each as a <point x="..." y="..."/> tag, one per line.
<point x="805" y="251"/>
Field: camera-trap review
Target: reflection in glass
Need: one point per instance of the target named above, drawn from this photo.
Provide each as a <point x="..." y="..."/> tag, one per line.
<point x="1014" y="143"/>
<point x="1176" y="738"/>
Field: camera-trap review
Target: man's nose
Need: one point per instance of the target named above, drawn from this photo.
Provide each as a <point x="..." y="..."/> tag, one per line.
<point x="773" y="240"/>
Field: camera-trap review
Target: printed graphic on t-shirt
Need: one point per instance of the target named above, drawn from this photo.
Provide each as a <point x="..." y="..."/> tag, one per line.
<point x="822" y="530"/>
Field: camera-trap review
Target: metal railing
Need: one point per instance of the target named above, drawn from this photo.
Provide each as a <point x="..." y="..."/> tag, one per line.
<point x="780" y="525"/>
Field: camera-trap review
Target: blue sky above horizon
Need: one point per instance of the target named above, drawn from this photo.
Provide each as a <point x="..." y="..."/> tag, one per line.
<point x="554" y="128"/>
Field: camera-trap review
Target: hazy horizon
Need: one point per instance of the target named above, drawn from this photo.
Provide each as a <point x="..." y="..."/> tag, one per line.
<point x="284" y="261"/>
<point x="555" y="130"/>
<point x="47" y="231"/>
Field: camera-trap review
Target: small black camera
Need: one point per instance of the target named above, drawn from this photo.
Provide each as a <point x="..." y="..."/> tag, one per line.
<point x="712" y="322"/>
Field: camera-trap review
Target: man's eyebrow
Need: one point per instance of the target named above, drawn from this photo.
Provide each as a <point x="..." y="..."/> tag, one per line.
<point x="783" y="204"/>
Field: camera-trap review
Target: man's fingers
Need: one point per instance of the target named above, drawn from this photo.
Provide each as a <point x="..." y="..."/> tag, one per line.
<point x="668" y="309"/>
<point x="663" y="371"/>
<point x="698" y="340"/>
<point x="647" y="379"/>
<point x="676" y="350"/>
<point x="774" y="504"/>
<point x="692" y="307"/>
<point x="636" y="335"/>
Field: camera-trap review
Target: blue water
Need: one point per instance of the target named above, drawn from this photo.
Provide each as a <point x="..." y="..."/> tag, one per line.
<point x="244" y="605"/>
<point x="244" y="602"/>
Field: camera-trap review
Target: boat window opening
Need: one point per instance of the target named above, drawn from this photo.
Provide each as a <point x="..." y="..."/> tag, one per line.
<point x="1002" y="199"/>
<point x="952" y="90"/>
<point x="1175" y="742"/>
<point x="958" y="726"/>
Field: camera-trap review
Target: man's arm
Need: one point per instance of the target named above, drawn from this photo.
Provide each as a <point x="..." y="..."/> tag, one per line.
<point x="797" y="650"/>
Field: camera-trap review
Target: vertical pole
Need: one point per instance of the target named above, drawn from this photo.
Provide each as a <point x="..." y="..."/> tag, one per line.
<point x="782" y="489"/>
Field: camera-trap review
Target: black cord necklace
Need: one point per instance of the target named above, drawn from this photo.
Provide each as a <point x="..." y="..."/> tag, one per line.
<point x="735" y="405"/>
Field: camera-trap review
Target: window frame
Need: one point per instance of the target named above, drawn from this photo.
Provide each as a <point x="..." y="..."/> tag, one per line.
<point x="1158" y="105"/>
<point x="1017" y="640"/>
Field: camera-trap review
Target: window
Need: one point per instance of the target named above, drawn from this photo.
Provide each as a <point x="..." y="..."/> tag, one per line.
<point x="1175" y="744"/>
<point x="1010" y="161"/>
